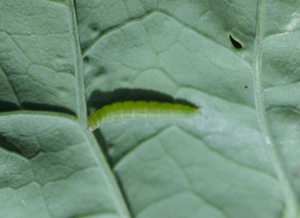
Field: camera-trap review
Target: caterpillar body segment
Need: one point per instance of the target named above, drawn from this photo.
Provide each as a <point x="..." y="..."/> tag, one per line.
<point x="139" y="110"/>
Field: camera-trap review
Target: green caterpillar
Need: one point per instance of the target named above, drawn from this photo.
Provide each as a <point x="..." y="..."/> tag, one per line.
<point x="139" y="110"/>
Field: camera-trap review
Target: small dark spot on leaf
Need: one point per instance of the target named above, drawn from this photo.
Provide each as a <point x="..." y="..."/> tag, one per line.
<point x="235" y="43"/>
<point x="100" y="71"/>
<point x="246" y="87"/>
<point x="86" y="59"/>
<point x="94" y="27"/>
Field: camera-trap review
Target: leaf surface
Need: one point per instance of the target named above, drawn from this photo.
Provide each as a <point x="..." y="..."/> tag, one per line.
<point x="62" y="60"/>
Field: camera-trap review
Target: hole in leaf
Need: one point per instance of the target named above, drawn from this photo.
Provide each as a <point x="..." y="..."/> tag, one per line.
<point x="235" y="43"/>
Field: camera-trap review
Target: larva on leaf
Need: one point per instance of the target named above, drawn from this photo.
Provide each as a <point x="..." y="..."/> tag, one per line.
<point x="139" y="110"/>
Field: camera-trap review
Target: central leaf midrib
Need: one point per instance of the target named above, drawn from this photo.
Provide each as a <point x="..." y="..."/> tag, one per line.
<point x="276" y="158"/>
<point x="81" y="111"/>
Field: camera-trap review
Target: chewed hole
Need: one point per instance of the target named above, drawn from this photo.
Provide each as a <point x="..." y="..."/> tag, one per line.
<point x="235" y="43"/>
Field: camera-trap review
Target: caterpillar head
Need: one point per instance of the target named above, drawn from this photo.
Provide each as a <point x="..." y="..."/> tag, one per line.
<point x="92" y="125"/>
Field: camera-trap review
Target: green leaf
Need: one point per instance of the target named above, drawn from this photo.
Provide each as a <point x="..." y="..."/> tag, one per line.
<point x="237" y="60"/>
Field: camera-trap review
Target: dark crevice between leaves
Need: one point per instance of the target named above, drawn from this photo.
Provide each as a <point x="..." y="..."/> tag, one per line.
<point x="104" y="145"/>
<point x="120" y="184"/>
<point x="5" y="144"/>
<point x="18" y="147"/>
<point x="9" y="107"/>
<point x="235" y="43"/>
<point x="46" y="107"/>
<point x="99" y="99"/>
